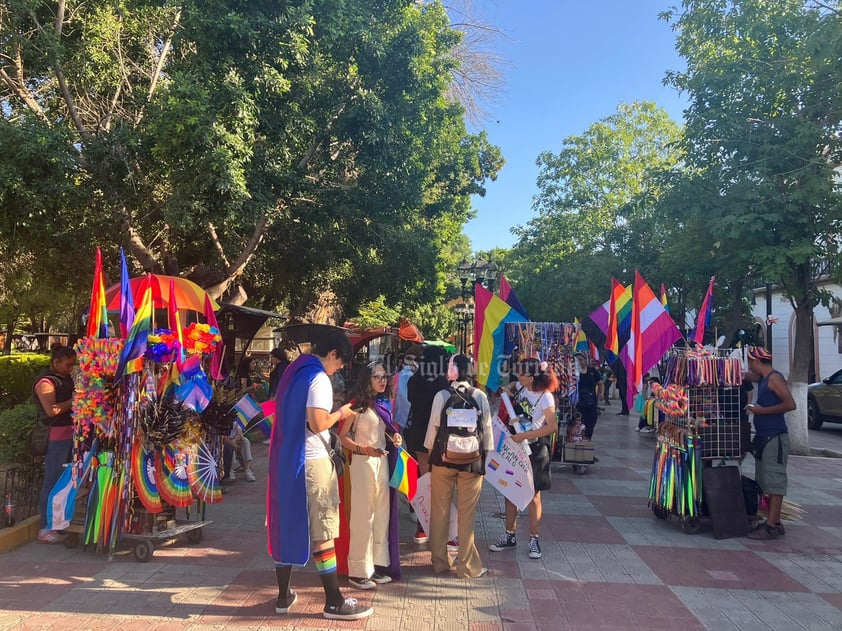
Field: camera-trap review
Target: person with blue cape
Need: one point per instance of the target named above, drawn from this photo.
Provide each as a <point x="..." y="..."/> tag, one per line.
<point x="302" y="507"/>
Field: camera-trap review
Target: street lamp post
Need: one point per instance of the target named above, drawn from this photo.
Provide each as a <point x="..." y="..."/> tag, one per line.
<point x="482" y="272"/>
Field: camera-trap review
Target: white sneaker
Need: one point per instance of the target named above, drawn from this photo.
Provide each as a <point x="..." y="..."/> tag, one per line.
<point x="266" y="442"/>
<point x="232" y="477"/>
<point x="250" y="476"/>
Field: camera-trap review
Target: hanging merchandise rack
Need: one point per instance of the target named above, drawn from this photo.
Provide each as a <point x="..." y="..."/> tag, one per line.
<point x="554" y="343"/>
<point x="701" y="407"/>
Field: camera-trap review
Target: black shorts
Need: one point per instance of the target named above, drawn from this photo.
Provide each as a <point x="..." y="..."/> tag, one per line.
<point x="540" y="459"/>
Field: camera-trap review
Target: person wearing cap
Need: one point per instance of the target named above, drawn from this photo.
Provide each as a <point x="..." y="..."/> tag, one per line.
<point x="771" y="439"/>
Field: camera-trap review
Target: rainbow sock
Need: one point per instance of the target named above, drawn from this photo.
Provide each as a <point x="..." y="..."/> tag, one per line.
<point x="325" y="560"/>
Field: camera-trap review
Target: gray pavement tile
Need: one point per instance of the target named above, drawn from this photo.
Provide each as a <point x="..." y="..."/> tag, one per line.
<point x="618" y="488"/>
<point x="642" y="531"/>
<point x="820" y="573"/>
<point x="568" y="505"/>
<point x="743" y="609"/>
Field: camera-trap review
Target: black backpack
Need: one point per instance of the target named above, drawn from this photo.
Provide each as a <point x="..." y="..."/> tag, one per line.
<point x="458" y="441"/>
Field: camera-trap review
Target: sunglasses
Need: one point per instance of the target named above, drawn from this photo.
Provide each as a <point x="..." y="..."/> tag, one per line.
<point x="380" y="377"/>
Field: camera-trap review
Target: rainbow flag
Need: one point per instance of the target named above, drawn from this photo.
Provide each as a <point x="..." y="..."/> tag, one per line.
<point x="653" y="331"/>
<point x="131" y="357"/>
<point x="581" y="344"/>
<point x="492" y="315"/>
<point x="97" y="313"/>
<point x="664" y="300"/>
<point x="405" y="475"/>
<point x="174" y="377"/>
<point x="619" y="317"/>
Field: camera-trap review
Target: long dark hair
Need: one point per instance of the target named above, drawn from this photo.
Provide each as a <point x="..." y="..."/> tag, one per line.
<point x="362" y="396"/>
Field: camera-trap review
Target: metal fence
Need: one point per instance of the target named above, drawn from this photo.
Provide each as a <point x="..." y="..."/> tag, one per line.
<point x="21" y="487"/>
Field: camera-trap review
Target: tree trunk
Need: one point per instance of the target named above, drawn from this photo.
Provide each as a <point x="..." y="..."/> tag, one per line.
<point x="734" y="317"/>
<point x="799" y="370"/>
<point x="13" y="323"/>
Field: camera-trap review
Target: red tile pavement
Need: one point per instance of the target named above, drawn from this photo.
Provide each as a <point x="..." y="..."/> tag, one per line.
<point x="716" y="568"/>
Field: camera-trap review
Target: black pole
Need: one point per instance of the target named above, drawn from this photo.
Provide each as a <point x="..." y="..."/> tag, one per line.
<point x="768" y="315"/>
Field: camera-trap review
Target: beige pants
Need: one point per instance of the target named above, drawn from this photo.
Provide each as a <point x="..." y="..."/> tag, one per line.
<point x="368" y="543"/>
<point x="468" y="485"/>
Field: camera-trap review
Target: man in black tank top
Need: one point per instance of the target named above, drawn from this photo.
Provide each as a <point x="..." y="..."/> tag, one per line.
<point x="771" y="439"/>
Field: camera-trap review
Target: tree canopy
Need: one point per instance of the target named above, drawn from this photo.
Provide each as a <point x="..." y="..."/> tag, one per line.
<point x="272" y="149"/>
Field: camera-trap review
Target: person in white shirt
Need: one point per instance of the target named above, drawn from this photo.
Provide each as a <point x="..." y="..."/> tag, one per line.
<point x="533" y="399"/>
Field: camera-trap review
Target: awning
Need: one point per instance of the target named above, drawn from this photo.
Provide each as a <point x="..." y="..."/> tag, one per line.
<point x="409" y="332"/>
<point x="833" y="321"/>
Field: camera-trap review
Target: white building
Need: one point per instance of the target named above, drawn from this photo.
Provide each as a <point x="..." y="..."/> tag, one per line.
<point x="827" y="329"/>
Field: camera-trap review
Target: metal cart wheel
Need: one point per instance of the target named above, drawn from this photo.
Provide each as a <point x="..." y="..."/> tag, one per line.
<point x="72" y="540"/>
<point x="143" y="550"/>
<point x="195" y="535"/>
<point x="580" y="469"/>
<point x="660" y="512"/>
<point x="691" y="525"/>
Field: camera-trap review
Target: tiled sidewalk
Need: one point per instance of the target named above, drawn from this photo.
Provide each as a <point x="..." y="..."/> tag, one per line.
<point x="608" y="564"/>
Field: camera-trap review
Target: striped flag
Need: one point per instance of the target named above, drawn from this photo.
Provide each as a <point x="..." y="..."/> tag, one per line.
<point x="126" y="298"/>
<point x="405" y="476"/>
<point x="246" y="409"/>
<point x="652" y="333"/>
<point x="664" y="298"/>
<point x="704" y="315"/>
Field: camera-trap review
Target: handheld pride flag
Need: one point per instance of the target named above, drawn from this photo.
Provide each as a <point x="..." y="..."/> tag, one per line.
<point x="131" y="357"/>
<point x="246" y="409"/>
<point x="405" y="476"/>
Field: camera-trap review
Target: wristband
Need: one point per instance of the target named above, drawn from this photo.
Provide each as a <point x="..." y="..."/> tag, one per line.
<point x="341" y="414"/>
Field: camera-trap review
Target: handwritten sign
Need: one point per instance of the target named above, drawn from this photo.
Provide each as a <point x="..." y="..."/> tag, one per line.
<point x="422" y="505"/>
<point x="508" y="468"/>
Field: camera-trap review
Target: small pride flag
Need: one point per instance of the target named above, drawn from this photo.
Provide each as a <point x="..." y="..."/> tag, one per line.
<point x="405" y="476"/>
<point x="246" y="409"/>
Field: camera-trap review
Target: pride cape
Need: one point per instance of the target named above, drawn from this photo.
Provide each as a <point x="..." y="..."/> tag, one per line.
<point x="287" y="523"/>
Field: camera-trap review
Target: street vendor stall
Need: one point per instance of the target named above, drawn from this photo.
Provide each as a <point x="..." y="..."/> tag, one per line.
<point x="150" y="409"/>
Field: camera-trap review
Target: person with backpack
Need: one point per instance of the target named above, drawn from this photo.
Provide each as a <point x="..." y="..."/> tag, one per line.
<point x="458" y="438"/>
<point x="421" y="389"/>
<point x="373" y="552"/>
<point x="52" y="394"/>
<point x="534" y="403"/>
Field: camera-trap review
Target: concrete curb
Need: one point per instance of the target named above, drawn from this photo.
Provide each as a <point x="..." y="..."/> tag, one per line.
<point x="19" y="534"/>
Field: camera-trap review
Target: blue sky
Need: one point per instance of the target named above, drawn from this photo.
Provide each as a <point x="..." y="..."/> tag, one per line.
<point x="570" y="64"/>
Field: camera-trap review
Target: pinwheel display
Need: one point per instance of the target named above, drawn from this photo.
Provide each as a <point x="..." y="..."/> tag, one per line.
<point x="203" y="474"/>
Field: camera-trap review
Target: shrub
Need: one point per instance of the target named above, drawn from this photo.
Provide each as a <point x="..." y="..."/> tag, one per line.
<point x="17" y="374"/>
<point x="16" y="425"/>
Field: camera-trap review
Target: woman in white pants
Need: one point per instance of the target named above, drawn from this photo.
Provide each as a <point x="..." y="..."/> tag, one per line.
<point x="365" y="433"/>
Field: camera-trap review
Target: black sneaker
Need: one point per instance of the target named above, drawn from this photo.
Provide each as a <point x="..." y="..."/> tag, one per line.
<point x="381" y="579"/>
<point x="534" y="548"/>
<point x="362" y="583"/>
<point x="351" y="609"/>
<point x="506" y="542"/>
<point x="282" y="606"/>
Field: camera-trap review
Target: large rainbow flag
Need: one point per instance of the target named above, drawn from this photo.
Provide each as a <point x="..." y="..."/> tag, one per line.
<point x="131" y="357"/>
<point x="491" y="316"/>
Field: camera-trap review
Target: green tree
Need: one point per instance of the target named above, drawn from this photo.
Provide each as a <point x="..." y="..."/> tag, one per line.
<point x="263" y="148"/>
<point x="594" y="212"/>
<point x="763" y="80"/>
<point x="763" y="125"/>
